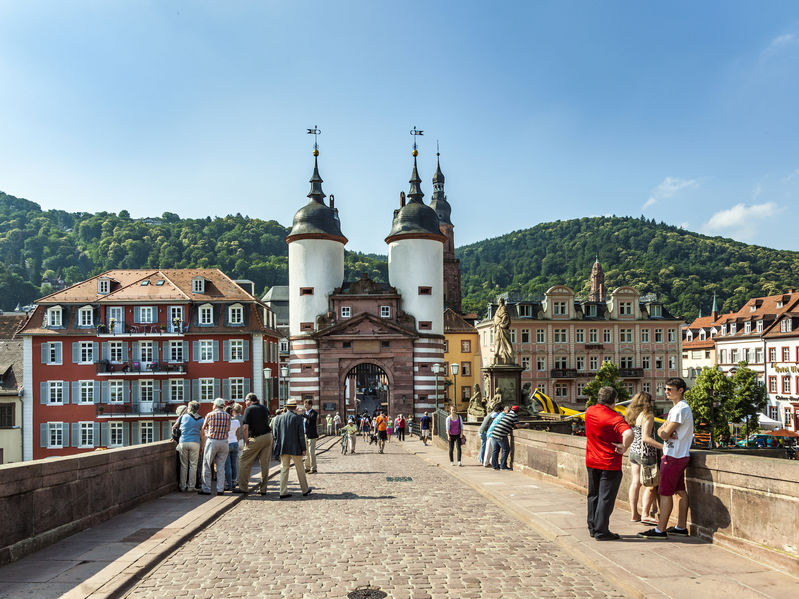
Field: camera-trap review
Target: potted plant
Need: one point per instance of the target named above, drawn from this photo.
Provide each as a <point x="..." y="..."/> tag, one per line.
<point x="101" y="328"/>
<point x="112" y="324"/>
<point x="176" y="323"/>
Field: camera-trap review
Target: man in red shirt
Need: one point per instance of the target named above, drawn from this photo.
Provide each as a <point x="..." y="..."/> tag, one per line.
<point x="607" y="438"/>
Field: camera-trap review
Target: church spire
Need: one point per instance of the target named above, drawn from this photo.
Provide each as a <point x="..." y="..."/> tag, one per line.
<point x="316" y="194"/>
<point x="439" y="202"/>
<point x="714" y="311"/>
<point x="598" y="292"/>
<point x="415" y="193"/>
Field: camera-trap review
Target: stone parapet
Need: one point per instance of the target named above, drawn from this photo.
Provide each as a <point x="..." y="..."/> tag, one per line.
<point x="46" y="500"/>
<point x="745" y="502"/>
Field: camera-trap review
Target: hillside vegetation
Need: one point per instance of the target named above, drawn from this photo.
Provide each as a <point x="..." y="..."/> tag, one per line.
<point x="38" y="248"/>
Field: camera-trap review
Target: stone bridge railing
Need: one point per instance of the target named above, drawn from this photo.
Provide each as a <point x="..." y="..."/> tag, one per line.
<point x="43" y="501"/>
<point x="745" y="502"/>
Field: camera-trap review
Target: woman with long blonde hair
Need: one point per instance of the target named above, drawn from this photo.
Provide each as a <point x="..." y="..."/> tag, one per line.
<point x="640" y="416"/>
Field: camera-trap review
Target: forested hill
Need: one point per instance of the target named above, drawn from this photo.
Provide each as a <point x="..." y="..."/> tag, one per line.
<point x="682" y="267"/>
<point x="38" y="248"/>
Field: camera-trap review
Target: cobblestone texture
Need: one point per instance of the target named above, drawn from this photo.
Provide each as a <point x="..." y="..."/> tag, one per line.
<point x="430" y="538"/>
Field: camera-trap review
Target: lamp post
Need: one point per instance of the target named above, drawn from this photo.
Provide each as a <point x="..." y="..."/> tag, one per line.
<point x="267" y="377"/>
<point x="454" y="369"/>
<point x="436" y="368"/>
<point x="284" y="373"/>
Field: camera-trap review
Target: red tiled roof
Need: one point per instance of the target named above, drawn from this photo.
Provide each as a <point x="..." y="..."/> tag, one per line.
<point x="9" y="323"/>
<point x="455" y="323"/>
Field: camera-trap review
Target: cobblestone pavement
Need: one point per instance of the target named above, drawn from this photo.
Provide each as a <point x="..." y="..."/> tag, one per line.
<point x="431" y="537"/>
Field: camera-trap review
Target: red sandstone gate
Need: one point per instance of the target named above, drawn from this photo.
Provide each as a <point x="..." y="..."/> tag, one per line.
<point x="367" y="389"/>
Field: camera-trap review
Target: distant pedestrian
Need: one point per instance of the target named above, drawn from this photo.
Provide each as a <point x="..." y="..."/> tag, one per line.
<point x="191" y="424"/>
<point x="454" y="426"/>
<point x="352" y="432"/>
<point x="482" y="432"/>
<point x="490" y="437"/>
<point x="336" y="423"/>
<point x="607" y="438"/>
<point x="234" y="436"/>
<point x="311" y="435"/>
<point x="401" y="424"/>
<point x="381" y="424"/>
<point x="256" y="437"/>
<point x="366" y="426"/>
<point x="502" y="429"/>
<point x="290" y="446"/>
<point x="677" y="434"/>
<point x="215" y="431"/>
<point x="425" y="423"/>
<point x="389" y="428"/>
<point x="329" y="421"/>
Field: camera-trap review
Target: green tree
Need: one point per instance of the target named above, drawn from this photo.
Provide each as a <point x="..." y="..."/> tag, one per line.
<point x="748" y="399"/>
<point x="606" y="376"/>
<point x="709" y="399"/>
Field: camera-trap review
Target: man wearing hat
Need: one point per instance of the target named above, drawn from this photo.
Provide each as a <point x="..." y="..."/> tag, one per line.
<point x="215" y="432"/>
<point x="290" y="446"/>
<point x="502" y="429"/>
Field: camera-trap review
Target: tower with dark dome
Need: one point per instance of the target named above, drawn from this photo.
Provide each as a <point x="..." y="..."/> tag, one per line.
<point x="452" y="268"/>
<point x="598" y="292"/>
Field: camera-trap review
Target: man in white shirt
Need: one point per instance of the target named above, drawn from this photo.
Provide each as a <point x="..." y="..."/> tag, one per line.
<point x="677" y="434"/>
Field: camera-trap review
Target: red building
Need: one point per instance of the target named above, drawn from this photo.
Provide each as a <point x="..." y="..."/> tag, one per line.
<point x="108" y="361"/>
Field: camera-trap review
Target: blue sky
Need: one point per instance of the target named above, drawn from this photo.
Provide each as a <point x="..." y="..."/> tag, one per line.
<point x="685" y="112"/>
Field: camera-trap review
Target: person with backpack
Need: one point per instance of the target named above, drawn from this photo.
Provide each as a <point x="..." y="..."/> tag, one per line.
<point x="190" y="424"/>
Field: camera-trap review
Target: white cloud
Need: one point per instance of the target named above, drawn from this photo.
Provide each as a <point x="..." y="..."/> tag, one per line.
<point x="667" y="188"/>
<point x="741" y="220"/>
<point x="780" y="43"/>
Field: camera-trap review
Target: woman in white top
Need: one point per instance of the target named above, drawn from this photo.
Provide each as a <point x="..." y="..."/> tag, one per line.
<point x="233" y="437"/>
<point x="641" y="417"/>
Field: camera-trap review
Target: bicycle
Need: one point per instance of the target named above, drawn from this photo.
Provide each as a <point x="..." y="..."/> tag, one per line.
<point x="345" y="442"/>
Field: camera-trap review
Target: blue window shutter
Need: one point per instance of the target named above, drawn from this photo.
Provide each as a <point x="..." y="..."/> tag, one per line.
<point x="45" y="353"/>
<point x="195" y="351"/>
<point x="105" y="435"/>
<point x="185" y="351"/>
<point x="75" y="352"/>
<point x="135" y="438"/>
<point x="166" y="430"/>
<point x="167" y="391"/>
<point x="44" y="434"/>
<point x="135" y="393"/>
<point x="106" y="396"/>
<point x="95" y="348"/>
<point x="165" y="353"/>
<point x="195" y="389"/>
<point x="75" y="392"/>
<point x="216" y="388"/>
<point x="58" y="352"/>
<point x="136" y="314"/>
<point x="186" y="394"/>
<point x="226" y="388"/>
<point x="106" y="355"/>
<point x="75" y="434"/>
<point x="226" y="350"/>
<point x="156" y="432"/>
<point x="247" y="389"/>
<point x="246" y="345"/>
<point x="125" y="392"/>
<point x="216" y="350"/>
<point x="65" y="391"/>
<point x="44" y="393"/>
<point x="97" y="392"/>
<point x="125" y="434"/>
<point x="96" y="439"/>
<point x="65" y="434"/>
<point x="157" y="392"/>
<point x="136" y="352"/>
<point x="124" y="352"/>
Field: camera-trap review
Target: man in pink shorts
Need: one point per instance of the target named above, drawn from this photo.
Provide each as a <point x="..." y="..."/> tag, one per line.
<point x="677" y="434"/>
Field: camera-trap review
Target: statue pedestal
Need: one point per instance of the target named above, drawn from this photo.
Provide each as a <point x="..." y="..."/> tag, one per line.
<point x="508" y="379"/>
<point x="472" y="418"/>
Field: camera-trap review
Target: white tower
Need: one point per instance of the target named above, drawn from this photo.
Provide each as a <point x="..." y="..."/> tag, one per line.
<point x="316" y="268"/>
<point x="415" y="259"/>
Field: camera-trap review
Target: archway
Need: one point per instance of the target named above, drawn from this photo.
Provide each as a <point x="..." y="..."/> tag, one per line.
<point x="366" y="389"/>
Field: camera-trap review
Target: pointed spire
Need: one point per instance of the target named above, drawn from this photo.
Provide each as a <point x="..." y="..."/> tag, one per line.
<point x="316" y="194"/>
<point x="714" y="311"/>
<point x="700" y="313"/>
<point x="415" y="193"/>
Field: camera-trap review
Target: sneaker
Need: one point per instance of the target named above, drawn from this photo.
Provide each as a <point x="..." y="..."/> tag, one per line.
<point x="677" y="532"/>
<point x="652" y="533"/>
<point x="452" y="463"/>
<point x="285" y="496"/>
<point x="607" y="536"/>
<point x="241" y="491"/>
<point x="459" y="464"/>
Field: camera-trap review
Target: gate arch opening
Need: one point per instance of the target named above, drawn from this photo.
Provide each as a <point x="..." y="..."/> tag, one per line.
<point x="366" y="389"/>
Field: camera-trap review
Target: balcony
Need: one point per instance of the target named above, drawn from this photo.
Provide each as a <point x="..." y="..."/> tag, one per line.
<point x="631" y="373"/>
<point x="143" y="330"/>
<point x="108" y="368"/>
<point x="563" y="373"/>
<point x="110" y="410"/>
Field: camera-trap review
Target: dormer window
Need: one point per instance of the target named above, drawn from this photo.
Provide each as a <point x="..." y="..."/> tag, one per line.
<point x="785" y="325"/>
<point x="656" y="310"/>
<point x="559" y="309"/>
<point x="759" y="326"/>
<point x="55" y="317"/>
<point x="779" y="305"/>
<point x="346" y="311"/>
<point x="689" y="336"/>
<point x="713" y="333"/>
<point x="752" y="308"/>
<point x="86" y="316"/>
<point x="625" y="308"/>
<point x="592" y="310"/>
<point x="747" y="327"/>
<point x="525" y="311"/>
<point x="103" y="286"/>
<point x="206" y="315"/>
<point x="198" y="285"/>
<point x="236" y="314"/>
<point x="724" y="329"/>
<point x="702" y="335"/>
<point x="733" y="328"/>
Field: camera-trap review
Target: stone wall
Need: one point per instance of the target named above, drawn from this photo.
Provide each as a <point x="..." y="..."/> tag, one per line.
<point x="43" y="501"/>
<point x="745" y="502"/>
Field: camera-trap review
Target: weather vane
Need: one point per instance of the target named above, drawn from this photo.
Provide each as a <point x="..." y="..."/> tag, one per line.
<point x="415" y="132"/>
<point x="315" y="131"/>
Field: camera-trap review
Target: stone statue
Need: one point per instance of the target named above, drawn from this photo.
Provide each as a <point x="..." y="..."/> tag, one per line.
<point x="477" y="406"/>
<point x="495" y="402"/>
<point x="527" y="407"/>
<point x="503" y="350"/>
